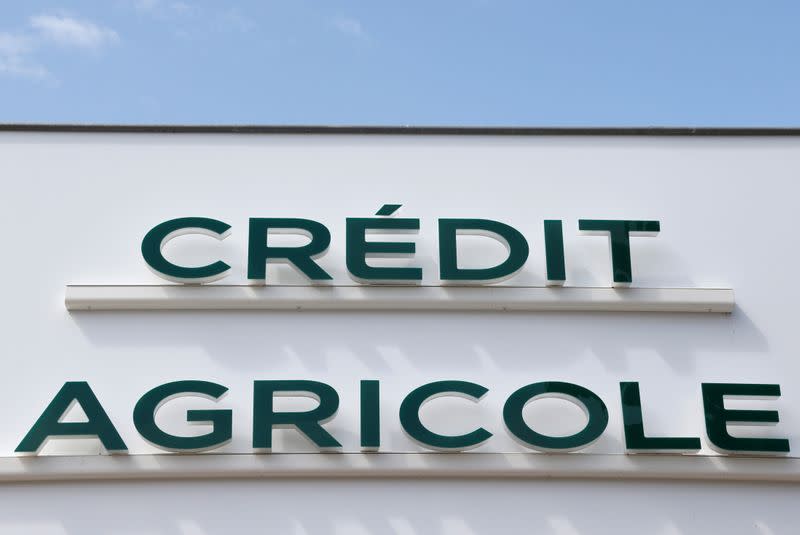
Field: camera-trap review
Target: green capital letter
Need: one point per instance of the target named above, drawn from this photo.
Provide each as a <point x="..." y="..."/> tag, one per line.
<point x="515" y="244"/>
<point x="635" y="439"/>
<point x="370" y="416"/>
<point x="416" y="431"/>
<point x="97" y="425"/>
<point x="718" y="418"/>
<point x="358" y="249"/>
<point x="619" y="233"/>
<point x="554" y="252"/>
<point x="592" y="405"/>
<point x="265" y="419"/>
<point x="259" y="253"/>
<point x="221" y="420"/>
<point x="155" y="241"/>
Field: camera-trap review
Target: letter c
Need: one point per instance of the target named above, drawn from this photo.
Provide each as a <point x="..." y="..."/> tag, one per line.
<point x="416" y="431"/>
<point x="158" y="237"/>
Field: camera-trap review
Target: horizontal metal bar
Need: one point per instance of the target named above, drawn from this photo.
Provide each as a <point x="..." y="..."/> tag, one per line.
<point x="404" y="130"/>
<point x="389" y="298"/>
<point x="398" y="465"/>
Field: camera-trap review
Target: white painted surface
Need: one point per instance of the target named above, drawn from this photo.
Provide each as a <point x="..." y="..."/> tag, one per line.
<point x="398" y="507"/>
<point x="80" y="204"/>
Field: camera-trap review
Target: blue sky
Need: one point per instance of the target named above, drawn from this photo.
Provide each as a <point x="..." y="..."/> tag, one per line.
<point x="435" y="62"/>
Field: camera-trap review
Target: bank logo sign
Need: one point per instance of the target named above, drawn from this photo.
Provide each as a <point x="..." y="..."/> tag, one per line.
<point x="360" y="249"/>
<point x="310" y="423"/>
<point x="361" y="246"/>
<point x="392" y="287"/>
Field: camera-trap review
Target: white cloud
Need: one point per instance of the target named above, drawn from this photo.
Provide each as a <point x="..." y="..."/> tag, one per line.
<point x="193" y="18"/>
<point x="68" y="31"/>
<point x="14" y="57"/>
<point x="349" y="26"/>
<point x="14" y="44"/>
<point x="18" y="48"/>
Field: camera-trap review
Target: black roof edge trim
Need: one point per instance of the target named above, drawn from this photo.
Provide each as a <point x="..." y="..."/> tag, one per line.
<point x="405" y="130"/>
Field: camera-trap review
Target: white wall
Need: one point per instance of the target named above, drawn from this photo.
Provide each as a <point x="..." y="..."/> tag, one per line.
<point x="77" y="205"/>
<point x="397" y="508"/>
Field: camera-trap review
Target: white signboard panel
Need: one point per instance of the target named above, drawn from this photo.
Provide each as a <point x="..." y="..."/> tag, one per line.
<point x="81" y="204"/>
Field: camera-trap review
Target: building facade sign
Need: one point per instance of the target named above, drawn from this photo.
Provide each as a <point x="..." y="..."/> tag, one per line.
<point x="471" y="312"/>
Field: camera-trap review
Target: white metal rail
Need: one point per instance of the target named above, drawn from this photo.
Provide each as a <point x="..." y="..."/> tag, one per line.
<point x="431" y="298"/>
<point x="399" y="465"/>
